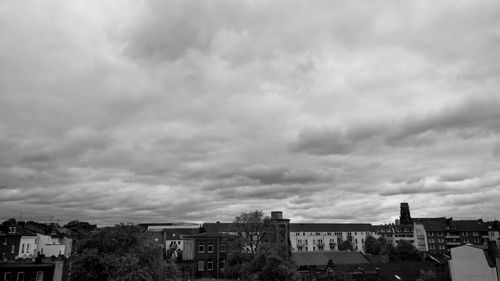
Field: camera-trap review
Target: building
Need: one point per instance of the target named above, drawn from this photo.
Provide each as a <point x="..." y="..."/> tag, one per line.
<point x="327" y="236"/>
<point x="473" y="262"/>
<point x="9" y="242"/>
<point x="207" y="251"/>
<point x="27" y="271"/>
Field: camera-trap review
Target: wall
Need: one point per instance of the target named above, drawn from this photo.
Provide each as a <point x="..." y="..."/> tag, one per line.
<point x="30" y="246"/>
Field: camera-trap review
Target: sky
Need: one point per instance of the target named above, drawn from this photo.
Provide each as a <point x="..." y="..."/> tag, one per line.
<point x="168" y="111"/>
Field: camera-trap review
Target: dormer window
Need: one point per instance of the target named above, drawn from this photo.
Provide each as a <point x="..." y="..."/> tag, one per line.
<point x="12" y="229"/>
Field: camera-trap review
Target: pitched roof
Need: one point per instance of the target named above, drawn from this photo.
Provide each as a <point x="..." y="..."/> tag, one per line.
<point x="330" y="227"/>
<point x="209" y="235"/>
<point x="321" y="258"/>
<point x="469" y="225"/>
<point x="175" y="234"/>
<point x="432" y="224"/>
<point x="219" y="227"/>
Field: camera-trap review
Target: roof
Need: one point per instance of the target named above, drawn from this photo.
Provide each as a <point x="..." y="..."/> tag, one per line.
<point x="321" y="258"/>
<point x="219" y="227"/>
<point x="175" y="234"/>
<point x="377" y="258"/>
<point x="432" y="224"/>
<point x="330" y="227"/>
<point x="209" y="235"/>
<point x="469" y="225"/>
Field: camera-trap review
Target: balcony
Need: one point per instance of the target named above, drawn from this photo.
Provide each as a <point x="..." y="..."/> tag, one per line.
<point x="452" y="236"/>
<point x="453" y="243"/>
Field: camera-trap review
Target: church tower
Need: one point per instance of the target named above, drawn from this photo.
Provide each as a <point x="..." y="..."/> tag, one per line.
<point x="405" y="217"/>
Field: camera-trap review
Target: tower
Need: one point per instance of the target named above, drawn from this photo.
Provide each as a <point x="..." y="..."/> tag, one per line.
<point x="405" y="217"/>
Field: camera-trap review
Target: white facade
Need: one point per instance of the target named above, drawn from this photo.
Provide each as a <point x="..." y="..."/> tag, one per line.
<point x="420" y="237"/>
<point x="469" y="263"/>
<point x="494" y="235"/>
<point x="327" y="241"/>
<point x="50" y="246"/>
<point x="27" y="246"/>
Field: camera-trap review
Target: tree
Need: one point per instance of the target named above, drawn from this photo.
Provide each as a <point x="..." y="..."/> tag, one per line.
<point x="427" y="275"/>
<point x="407" y="252"/>
<point x="345" y="245"/>
<point x="372" y="246"/>
<point x="250" y="228"/>
<point x="121" y="253"/>
<point x="251" y="256"/>
<point x="390" y="251"/>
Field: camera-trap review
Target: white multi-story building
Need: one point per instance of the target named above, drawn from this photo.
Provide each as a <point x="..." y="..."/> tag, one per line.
<point x="327" y="236"/>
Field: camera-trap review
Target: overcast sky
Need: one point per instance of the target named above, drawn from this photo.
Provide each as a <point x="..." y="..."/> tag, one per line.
<point x="134" y="111"/>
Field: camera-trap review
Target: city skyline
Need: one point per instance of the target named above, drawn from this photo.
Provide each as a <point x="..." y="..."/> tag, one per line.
<point x="132" y="111"/>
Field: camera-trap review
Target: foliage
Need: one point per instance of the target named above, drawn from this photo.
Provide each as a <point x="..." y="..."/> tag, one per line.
<point x="250" y="228"/>
<point x="345" y="246"/>
<point x="427" y="275"/>
<point x="390" y="251"/>
<point x="251" y="257"/>
<point x="408" y="252"/>
<point x="121" y="253"/>
<point x="374" y="246"/>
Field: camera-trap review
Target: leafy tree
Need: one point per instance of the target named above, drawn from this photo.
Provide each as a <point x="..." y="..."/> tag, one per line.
<point x="372" y="246"/>
<point x="121" y="253"/>
<point x="251" y="256"/>
<point x="250" y="228"/>
<point x="427" y="275"/>
<point x="407" y="252"/>
<point x="390" y="251"/>
<point x="345" y="245"/>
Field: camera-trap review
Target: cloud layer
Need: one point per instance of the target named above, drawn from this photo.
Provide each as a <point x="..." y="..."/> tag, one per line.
<point x="196" y="111"/>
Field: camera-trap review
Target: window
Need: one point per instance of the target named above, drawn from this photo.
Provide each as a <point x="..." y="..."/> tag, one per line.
<point x="305" y="241"/>
<point x="222" y="248"/>
<point x="355" y="233"/>
<point x="201" y="248"/>
<point x="432" y="247"/>
<point x="210" y="248"/>
<point x="299" y="248"/>
<point x="298" y="233"/>
<point x="314" y="241"/>
<point x="431" y="240"/>
<point x="27" y="248"/>
<point x="12" y="249"/>
<point x="201" y="265"/>
<point x="210" y="265"/>
<point x="22" y="248"/>
<point x="7" y="276"/>
<point x="222" y="263"/>
<point x="12" y="229"/>
<point x="20" y="276"/>
<point x="338" y="234"/>
<point x="39" y="276"/>
<point x="475" y="233"/>
<point x="318" y="234"/>
<point x="328" y="233"/>
<point x="466" y="240"/>
<point x="431" y="233"/>
<point x="464" y="233"/>
<point x="349" y="233"/>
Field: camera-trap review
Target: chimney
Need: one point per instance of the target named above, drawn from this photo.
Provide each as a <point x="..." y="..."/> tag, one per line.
<point x="276" y="215"/>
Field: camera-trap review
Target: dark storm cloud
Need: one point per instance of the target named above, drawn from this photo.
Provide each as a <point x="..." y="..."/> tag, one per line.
<point x="470" y="119"/>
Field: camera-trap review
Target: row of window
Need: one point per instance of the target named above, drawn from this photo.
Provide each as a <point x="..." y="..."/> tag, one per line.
<point x="210" y="265"/>
<point x="434" y="247"/>
<point x="329" y="233"/>
<point x="439" y="233"/>
<point x="8" y="276"/>
<point x="210" y="248"/>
